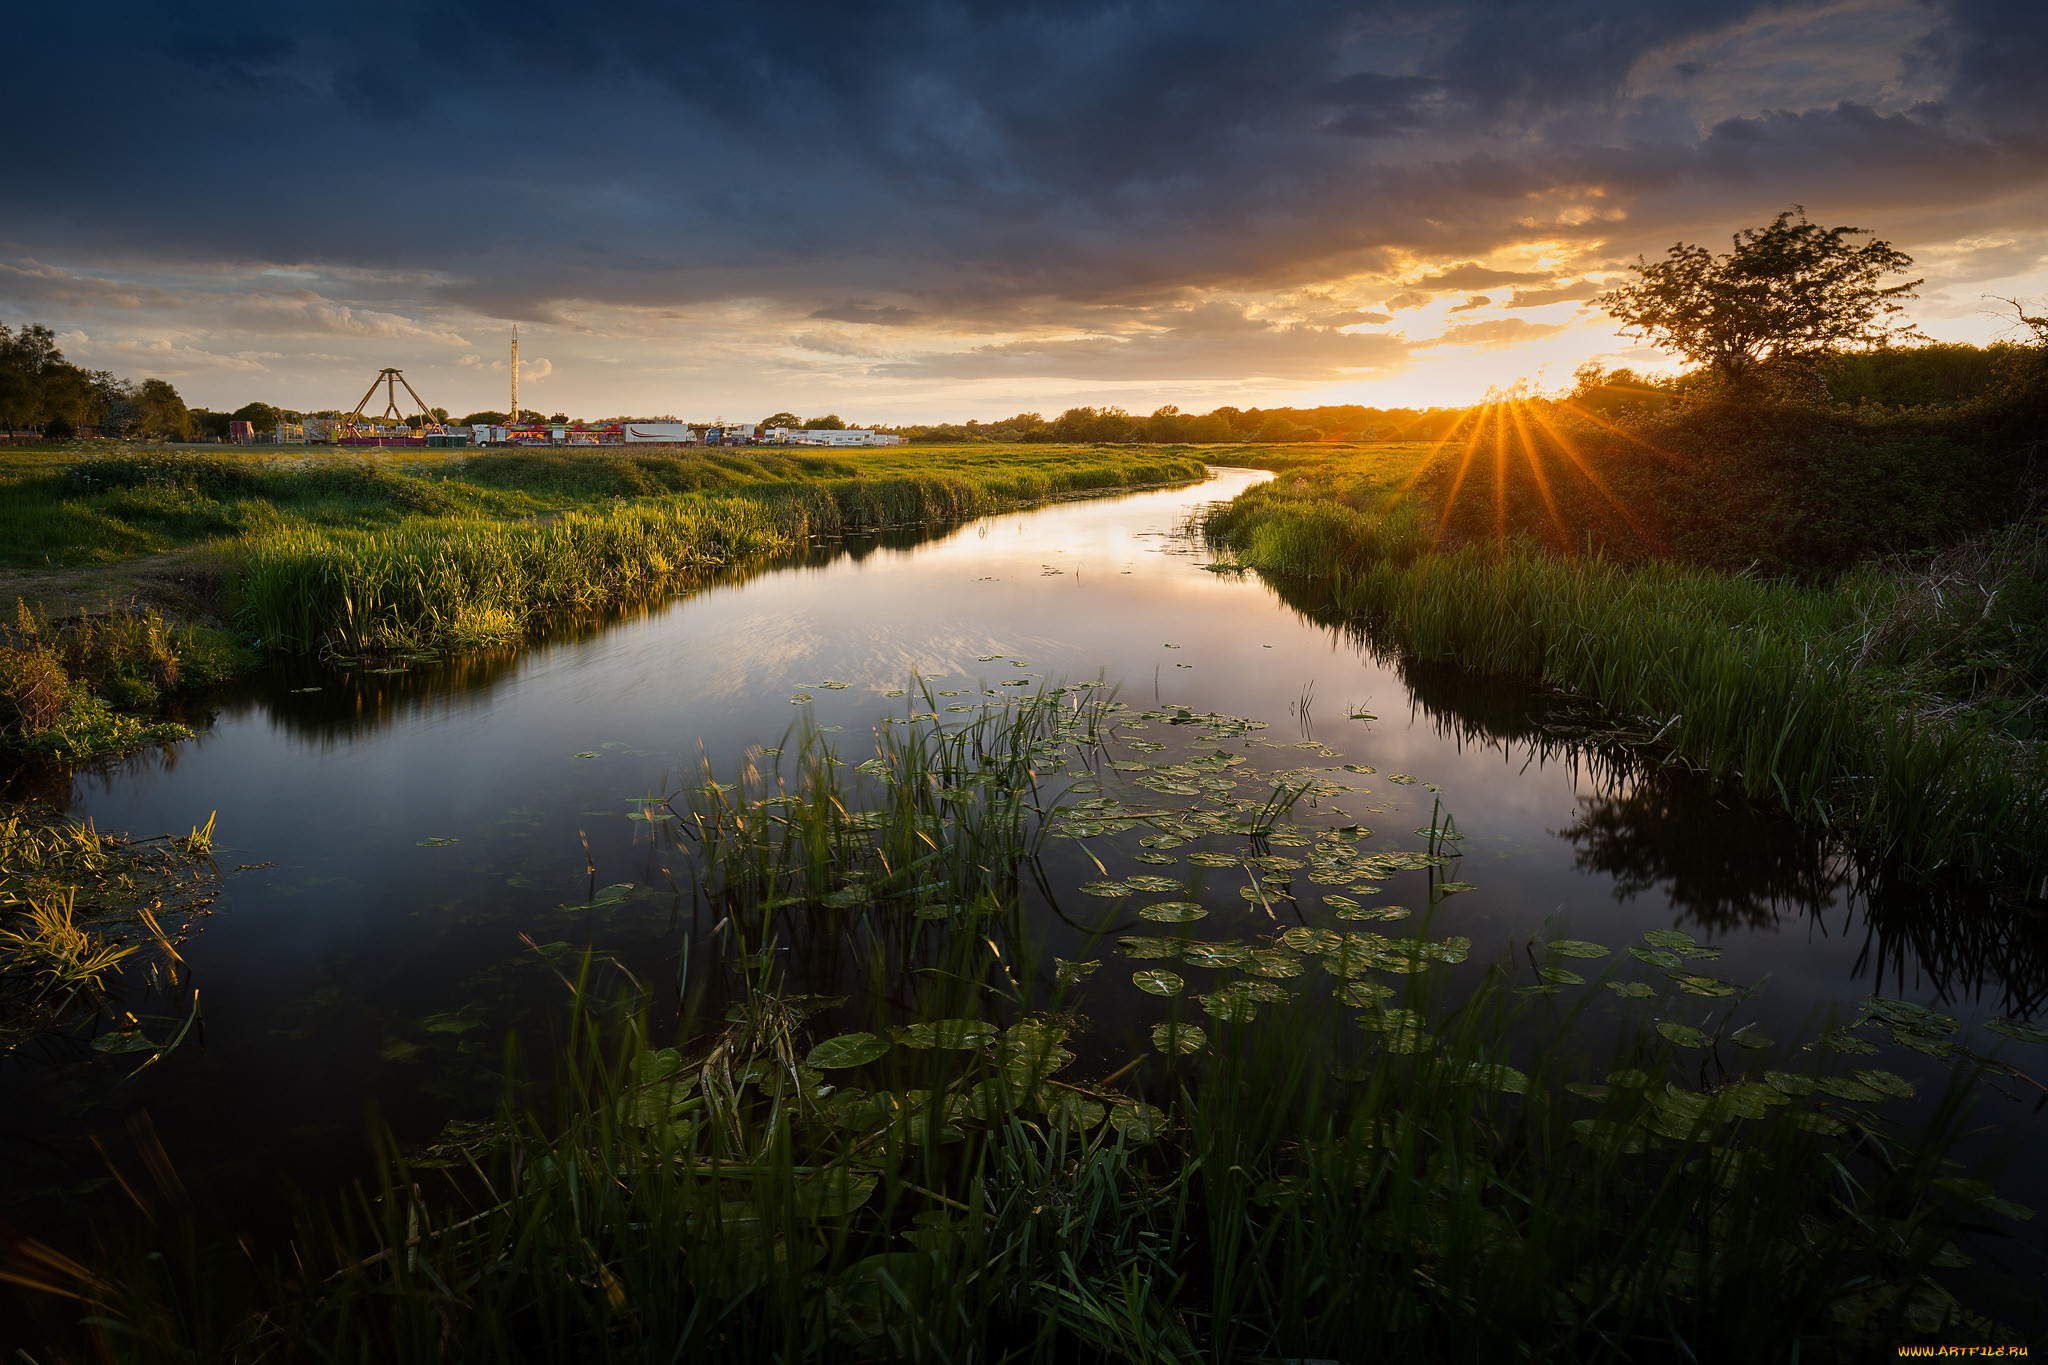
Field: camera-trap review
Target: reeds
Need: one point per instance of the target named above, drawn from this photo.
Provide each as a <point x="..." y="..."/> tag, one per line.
<point x="1750" y="679"/>
<point x="453" y="583"/>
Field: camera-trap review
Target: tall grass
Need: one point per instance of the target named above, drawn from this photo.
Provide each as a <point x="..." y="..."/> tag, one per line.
<point x="429" y="583"/>
<point x="1327" y="1181"/>
<point x="1752" y="679"/>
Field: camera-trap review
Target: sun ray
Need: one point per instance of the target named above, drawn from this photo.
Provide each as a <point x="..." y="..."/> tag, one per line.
<point x="1458" y="480"/>
<point x="1597" y="420"/>
<point x="1427" y="460"/>
<point x="1579" y="462"/>
<point x="1521" y="414"/>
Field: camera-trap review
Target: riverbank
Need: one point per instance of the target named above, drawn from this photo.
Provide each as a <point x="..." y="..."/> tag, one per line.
<point x="1896" y="698"/>
<point x="425" y="551"/>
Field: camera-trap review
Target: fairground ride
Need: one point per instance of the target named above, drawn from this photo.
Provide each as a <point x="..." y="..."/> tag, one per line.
<point x="390" y="379"/>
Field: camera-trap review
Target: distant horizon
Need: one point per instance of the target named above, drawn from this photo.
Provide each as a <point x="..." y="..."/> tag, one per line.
<point x="968" y="210"/>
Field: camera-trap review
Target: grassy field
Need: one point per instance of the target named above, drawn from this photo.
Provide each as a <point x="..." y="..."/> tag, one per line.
<point x="424" y="550"/>
<point x="1357" y="1164"/>
<point x="1900" y="701"/>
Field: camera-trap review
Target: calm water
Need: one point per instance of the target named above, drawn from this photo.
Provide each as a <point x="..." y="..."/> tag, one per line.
<point x="366" y="971"/>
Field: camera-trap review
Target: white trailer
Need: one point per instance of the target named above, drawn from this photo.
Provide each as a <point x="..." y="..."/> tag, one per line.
<point x="667" y="433"/>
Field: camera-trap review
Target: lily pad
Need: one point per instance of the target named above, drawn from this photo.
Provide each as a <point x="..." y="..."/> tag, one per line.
<point x="956" y="1034"/>
<point x="1172" y="912"/>
<point x="1137" y="1122"/>
<point x="1072" y="973"/>
<point x="1576" y="947"/>
<point x="1632" y="990"/>
<point x="1560" y="976"/>
<point x="1158" y="981"/>
<point x="438" y="842"/>
<point x="2024" y="1032"/>
<point x="1151" y="881"/>
<point x="1107" y="890"/>
<point x="1656" y="957"/>
<point x="1150" y="947"/>
<point x="1703" y="985"/>
<point x="1367" y="994"/>
<point x="1179" y="1039"/>
<point x="1675" y="939"/>
<point x="1453" y="888"/>
<point x="1684" y="1035"/>
<point x="848" y="1049"/>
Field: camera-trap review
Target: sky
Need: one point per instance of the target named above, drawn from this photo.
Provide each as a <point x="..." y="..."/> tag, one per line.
<point x="929" y="211"/>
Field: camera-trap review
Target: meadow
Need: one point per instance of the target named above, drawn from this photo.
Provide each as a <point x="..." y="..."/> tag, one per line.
<point x="420" y="551"/>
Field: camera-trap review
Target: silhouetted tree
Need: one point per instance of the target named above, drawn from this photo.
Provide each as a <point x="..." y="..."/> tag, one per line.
<point x="1789" y="292"/>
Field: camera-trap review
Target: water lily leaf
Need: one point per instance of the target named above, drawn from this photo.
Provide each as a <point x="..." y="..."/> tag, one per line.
<point x="1179" y="1039"/>
<point x="1367" y="994"/>
<point x="1158" y="981"/>
<point x="1402" y="778"/>
<point x="1107" y="890"/>
<point x="1231" y="1009"/>
<point x="1497" y="1076"/>
<point x="1560" y="976"/>
<point x="1841" y="1040"/>
<point x="1674" y="939"/>
<point x="1842" y="1088"/>
<point x="1825" y="1124"/>
<point x="1150" y="947"/>
<point x="1072" y="973"/>
<point x="1208" y="859"/>
<point x="1656" y="958"/>
<point x="1137" y="1122"/>
<point x="1151" y="881"/>
<point x="1158" y="859"/>
<point x="834" y="1192"/>
<point x="2024" y="1032"/>
<point x="613" y="894"/>
<point x="1161" y="841"/>
<point x="133" y="1040"/>
<point x="1789" y="1083"/>
<point x="1274" y="963"/>
<point x="1576" y="947"/>
<point x="1453" y="888"/>
<point x="1887" y="1083"/>
<point x="1703" y="985"/>
<point x="1750" y="1036"/>
<point x="955" y="1034"/>
<point x="438" y="842"/>
<point x="1684" y="1035"/>
<point x="1073" y="1112"/>
<point x="1632" y="990"/>
<point x="848" y="1049"/>
<point x="1379" y="912"/>
<point x="1305" y="940"/>
<point x="1172" y="912"/>
<point x="1216" y="954"/>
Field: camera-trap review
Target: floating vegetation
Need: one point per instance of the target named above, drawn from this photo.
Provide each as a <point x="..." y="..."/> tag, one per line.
<point x="82" y="915"/>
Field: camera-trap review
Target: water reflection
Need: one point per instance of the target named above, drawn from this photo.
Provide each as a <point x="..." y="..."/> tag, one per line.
<point x="1655" y="829"/>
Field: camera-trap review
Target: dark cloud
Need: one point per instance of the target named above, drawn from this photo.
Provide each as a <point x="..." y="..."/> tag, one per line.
<point x="854" y="310"/>
<point x="524" y="160"/>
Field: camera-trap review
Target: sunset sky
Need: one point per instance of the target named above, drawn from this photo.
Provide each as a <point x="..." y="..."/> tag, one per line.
<point x="933" y="211"/>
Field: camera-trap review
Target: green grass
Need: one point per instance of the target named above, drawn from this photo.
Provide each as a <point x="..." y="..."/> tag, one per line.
<point x="1826" y="698"/>
<point x="1335" y="1176"/>
<point x="446" y="550"/>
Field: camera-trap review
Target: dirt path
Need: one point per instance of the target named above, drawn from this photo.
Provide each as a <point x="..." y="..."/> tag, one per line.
<point x="184" y="586"/>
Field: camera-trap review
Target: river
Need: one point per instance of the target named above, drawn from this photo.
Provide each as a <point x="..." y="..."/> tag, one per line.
<point x="388" y="837"/>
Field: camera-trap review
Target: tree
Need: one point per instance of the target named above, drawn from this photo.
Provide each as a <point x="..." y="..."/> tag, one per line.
<point x="160" y="412"/>
<point x="259" y="416"/>
<point x="1789" y="293"/>
<point x="483" y="419"/>
<point x="781" y="419"/>
<point x="831" y="421"/>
